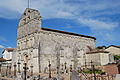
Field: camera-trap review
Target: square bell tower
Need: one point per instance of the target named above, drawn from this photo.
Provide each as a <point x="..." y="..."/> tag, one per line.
<point x="30" y="22"/>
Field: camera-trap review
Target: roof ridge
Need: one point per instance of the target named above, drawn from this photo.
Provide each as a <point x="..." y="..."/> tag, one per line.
<point x="48" y="29"/>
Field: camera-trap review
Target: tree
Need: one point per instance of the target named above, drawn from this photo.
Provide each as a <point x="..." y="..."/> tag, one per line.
<point x="116" y="57"/>
<point x="101" y="47"/>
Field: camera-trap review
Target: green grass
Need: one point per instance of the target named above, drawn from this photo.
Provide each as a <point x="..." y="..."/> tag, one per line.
<point x="90" y="71"/>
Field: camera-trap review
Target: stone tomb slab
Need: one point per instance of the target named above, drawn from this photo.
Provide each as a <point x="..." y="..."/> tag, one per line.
<point x="117" y="77"/>
<point x="74" y="75"/>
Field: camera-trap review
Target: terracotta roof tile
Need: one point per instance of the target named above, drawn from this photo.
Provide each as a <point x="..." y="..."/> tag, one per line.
<point x="2" y="59"/>
<point x="9" y="49"/>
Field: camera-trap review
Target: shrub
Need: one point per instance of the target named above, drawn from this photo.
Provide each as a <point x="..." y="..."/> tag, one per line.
<point x="90" y="71"/>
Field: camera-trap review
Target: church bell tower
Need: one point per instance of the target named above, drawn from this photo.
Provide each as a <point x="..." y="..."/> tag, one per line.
<point x="30" y="22"/>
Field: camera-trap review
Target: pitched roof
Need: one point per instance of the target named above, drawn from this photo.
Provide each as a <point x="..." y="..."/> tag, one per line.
<point x="47" y="29"/>
<point x="113" y="46"/>
<point x="2" y="59"/>
<point x="95" y="51"/>
<point x="9" y="49"/>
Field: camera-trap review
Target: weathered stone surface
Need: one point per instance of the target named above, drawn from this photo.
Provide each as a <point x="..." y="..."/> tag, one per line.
<point x="57" y="47"/>
<point x="29" y="18"/>
<point x="117" y="77"/>
<point x="74" y="76"/>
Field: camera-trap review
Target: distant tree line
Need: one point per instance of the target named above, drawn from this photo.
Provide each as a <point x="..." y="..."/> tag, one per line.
<point x="116" y="57"/>
<point x="101" y="47"/>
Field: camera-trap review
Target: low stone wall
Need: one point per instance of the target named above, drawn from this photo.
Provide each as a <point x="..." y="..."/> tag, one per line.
<point x="111" y="69"/>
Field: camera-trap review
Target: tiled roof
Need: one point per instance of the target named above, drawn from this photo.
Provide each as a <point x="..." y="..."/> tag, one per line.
<point x="113" y="46"/>
<point x="47" y="29"/>
<point x="97" y="51"/>
<point x="2" y="59"/>
<point x="9" y="49"/>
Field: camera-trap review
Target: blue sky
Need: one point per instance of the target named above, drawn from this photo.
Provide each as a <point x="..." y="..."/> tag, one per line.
<point x="98" y="18"/>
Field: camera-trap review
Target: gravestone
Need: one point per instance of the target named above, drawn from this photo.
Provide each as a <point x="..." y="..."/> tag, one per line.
<point x="117" y="77"/>
<point x="19" y="76"/>
<point x="74" y="75"/>
<point x="46" y="70"/>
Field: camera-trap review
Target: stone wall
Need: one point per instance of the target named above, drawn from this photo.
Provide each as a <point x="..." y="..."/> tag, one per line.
<point x="114" y="50"/>
<point x="99" y="58"/>
<point x="71" y="49"/>
<point x="36" y="46"/>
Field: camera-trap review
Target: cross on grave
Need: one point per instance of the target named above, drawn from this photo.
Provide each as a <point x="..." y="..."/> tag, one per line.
<point x="62" y="67"/>
<point x="25" y="70"/>
<point x="18" y="66"/>
<point x="93" y="69"/>
<point x="15" y="69"/>
<point x="31" y="70"/>
<point x="10" y="69"/>
<point x="49" y="69"/>
<point x="65" y="65"/>
<point x="70" y="68"/>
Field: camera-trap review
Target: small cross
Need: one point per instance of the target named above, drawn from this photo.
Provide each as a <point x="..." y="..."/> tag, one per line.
<point x="65" y="64"/>
<point x="91" y="62"/>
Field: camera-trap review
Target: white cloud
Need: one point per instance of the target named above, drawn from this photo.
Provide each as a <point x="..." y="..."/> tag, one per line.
<point x="105" y="35"/>
<point x="85" y="12"/>
<point x="2" y="39"/>
<point x="68" y="26"/>
<point x="1" y="46"/>
<point x="60" y="8"/>
<point x="102" y="30"/>
<point x="97" y="24"/>
<point x="109" y="37"/>
<point x="9" y="47"/>
<point x="13" y="5"/>
<point x="63" y="14"/>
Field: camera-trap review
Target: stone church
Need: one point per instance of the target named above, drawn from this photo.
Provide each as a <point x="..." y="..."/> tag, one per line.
<point x="38" y="46"/>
